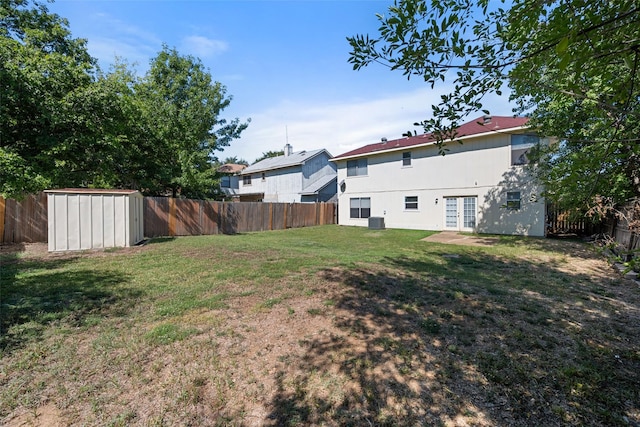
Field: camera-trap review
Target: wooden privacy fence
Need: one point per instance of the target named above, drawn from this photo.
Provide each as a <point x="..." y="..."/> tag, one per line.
<point x="562" y="222"/>
<point x="620" y="227"/>
<point x="182" y="217"/>
<point x="25" y="221"/>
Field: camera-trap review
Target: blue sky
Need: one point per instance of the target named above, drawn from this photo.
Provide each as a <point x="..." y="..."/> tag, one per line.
<point x="283" y="62"/>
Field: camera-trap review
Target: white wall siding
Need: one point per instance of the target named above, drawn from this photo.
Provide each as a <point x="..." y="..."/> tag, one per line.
<point x="480" y="168"/>
<point x="280" y="185"/>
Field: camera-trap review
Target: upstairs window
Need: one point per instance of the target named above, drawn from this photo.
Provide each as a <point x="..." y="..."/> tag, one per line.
<point x="246" y="180"/>
<point x="513" y="200"/>
<point x="360" y="207"/>
<point x="406" y="158"/>
<point x="520" y="145"/>
<point x="225" y="181"/>
<point x="411" y="202"/>
<point x="357" y="167"/>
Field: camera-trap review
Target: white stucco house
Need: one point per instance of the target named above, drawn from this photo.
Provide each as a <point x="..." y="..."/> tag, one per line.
<point x="303" y="176"/>
<point x="480" y="185"/>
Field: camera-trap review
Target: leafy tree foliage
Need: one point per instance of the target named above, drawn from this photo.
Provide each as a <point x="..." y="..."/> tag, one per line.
<point x="234" y="160"/>
<point x="572" y="66"/>
<point x="181" y="105"/>
<point x="46" y="83"/>
<point x="67" y="124"/>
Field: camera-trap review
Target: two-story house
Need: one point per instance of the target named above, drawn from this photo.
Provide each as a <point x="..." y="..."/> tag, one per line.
<point x="481" y="184"/>
<point x="303" y="176"/>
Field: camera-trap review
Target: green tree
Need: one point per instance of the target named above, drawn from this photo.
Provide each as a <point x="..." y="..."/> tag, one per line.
<point x="269" y="154"/>
<point x="180" y="105"/>
<point x="234" y="160"/>
<point x="65" y="123"/>
<point x="47" y="136"/>
<point x="571" y="66"/>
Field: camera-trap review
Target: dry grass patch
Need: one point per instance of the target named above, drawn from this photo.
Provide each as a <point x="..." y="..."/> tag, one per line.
<point x="299" y="328"/>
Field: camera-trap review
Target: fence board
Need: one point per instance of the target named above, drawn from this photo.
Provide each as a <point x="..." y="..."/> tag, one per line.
<point x="24" y="221"/>
<point x="188" y="217"/>
<point x="156" y="216"/>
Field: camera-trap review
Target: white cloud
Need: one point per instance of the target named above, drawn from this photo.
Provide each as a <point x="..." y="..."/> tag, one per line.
<point x="339" y="127"/>
<point x="113" y="38"/>
<point x="336" y="127"/>
<point x="203" y="47"/>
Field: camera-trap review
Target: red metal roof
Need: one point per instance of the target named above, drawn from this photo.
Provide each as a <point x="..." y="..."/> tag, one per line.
<point x="469" y="129"/>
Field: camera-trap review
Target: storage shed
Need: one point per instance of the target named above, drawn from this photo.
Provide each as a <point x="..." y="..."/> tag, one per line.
<point x="85" y="218"/>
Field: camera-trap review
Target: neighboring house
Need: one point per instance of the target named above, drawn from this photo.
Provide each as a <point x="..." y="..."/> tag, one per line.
<point x="230" y="180"/>
<point x="304" y="176"/>
<point x="480" y="185"/>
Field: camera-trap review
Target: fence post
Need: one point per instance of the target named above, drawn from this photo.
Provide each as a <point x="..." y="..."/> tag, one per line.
<point x="2" y="205"/>
<point x="270" y="216"/>
<point x="172" y="216"/>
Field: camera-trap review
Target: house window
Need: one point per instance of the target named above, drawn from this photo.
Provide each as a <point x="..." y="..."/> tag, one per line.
<point x="520" y="145"/>
<point x="264" y="176"/>
<point x="246" y="180"/>
<point x="357" y="167"/>
<point x="406" y="158"/>
<point x="411" y="202"/>
<point x="225" y="182"/>
<point x="513" y="200"/>
<point x="360" y="207"/>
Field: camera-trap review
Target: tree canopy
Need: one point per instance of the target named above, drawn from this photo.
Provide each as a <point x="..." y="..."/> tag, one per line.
<point x="269" y="154"/>
<point x="571" y="66"/>
<point x="67" y="124"/>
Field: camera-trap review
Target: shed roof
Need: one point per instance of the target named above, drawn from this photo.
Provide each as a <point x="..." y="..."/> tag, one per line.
<point x="91" y="191"/>
<point x="471" y="129"/>
<point x="295" y="159"/>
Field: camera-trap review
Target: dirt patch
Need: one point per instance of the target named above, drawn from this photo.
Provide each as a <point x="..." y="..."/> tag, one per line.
<point x="456" y="339"/>
<point x="454" y="238"/>
<point x="48" y="415"/>
<point x="40" y="251"/>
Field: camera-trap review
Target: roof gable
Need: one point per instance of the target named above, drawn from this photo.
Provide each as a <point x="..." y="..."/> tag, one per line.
<point x="294" y="159"/>
<point x="470" y="129"/>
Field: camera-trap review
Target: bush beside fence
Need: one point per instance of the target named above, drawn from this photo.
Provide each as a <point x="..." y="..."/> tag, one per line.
<point x="25" y="221"/>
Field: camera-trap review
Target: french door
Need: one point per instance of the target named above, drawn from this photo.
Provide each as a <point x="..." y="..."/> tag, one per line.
<point x="460" y="213"/>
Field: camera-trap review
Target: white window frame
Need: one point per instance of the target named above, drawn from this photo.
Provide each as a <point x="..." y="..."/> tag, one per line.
<point x="520" y="145"/>
<point x="358" y="167"/>
<point x="411" y="203"/>
<point x="246" y="180"/>
<point x="514" y="200"/>
<point x="406" y="159"/>
<point x="359" y="201"/>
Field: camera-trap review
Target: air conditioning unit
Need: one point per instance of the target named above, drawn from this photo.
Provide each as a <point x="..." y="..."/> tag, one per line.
<point x="376" y="223"/>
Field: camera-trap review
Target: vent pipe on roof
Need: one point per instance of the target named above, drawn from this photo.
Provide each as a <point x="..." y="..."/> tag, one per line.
<point x="288" y="150"/>
<point x="486" y="119"/>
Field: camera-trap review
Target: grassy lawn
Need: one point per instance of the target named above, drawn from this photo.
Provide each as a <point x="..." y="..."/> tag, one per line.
<point x="318" y="326"/>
